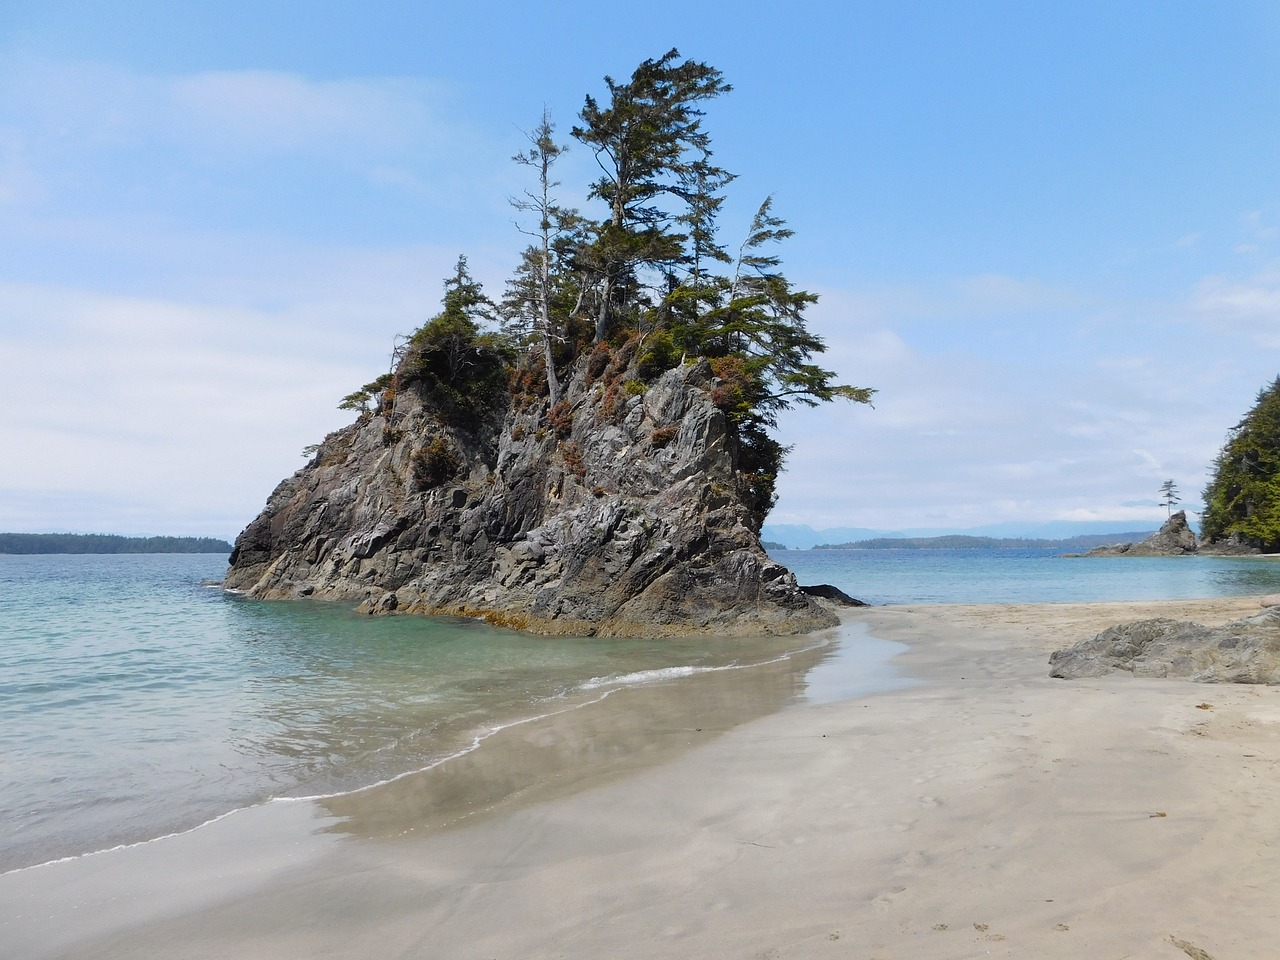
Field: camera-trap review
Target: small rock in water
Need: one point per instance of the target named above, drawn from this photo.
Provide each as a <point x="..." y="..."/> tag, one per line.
<point x="827" y="592"/>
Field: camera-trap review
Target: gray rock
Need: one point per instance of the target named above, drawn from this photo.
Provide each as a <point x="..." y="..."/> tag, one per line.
<point x="1174" y="539"/>
<point x="827" y="592"/>
<point x="1243" y="651"/>
<point x="627" y="517"/>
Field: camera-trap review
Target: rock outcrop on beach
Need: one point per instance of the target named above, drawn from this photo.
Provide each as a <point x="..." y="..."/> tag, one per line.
<point x="619" y="511"/>
<point x="1174" y="539"/>
<point x="834" y="595"/>
<point x="1243" y="651"/>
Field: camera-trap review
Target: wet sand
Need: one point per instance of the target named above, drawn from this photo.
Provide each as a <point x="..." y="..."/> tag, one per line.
<point x="984" y="810"/>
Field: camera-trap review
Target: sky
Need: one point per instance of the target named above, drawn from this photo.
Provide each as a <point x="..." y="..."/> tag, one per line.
<point x="1047" y="234"/>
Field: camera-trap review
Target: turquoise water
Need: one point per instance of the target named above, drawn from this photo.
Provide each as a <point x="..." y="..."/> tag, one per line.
<point x="1027" y="576"/>
<point x="136" y="701"/>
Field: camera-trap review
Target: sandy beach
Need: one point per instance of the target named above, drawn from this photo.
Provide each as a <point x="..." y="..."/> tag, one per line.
<point x="974" y="807"/>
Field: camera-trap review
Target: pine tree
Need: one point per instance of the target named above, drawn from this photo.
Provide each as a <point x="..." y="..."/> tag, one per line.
<point x="1242" y="500"/>
<point x="530" y="293"/>
<point x="642" y="140"/>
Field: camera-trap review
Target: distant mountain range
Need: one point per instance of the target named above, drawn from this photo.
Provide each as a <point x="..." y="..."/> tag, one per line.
<point x="1056" y="533"/>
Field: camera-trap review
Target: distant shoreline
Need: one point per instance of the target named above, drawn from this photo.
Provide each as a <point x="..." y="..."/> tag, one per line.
<point x="965" y="542"/>
<point x="27" y="544"/>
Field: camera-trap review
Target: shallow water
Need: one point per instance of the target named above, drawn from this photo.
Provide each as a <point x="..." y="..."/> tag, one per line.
<point x="1027" y="576"/>
<point x="137" y="702"/>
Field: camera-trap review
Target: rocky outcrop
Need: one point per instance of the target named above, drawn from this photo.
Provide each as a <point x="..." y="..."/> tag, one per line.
<point x="833" y="594"/>
<point x="1174" y="539"/>
<point x="1244" y="651"/>
<point x="618" y="512"/>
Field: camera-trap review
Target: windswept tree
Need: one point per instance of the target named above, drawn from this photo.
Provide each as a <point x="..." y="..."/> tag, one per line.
<point x="1169" y="496"/>
<point x="529" y="294"/>
<point x="645" y="284"/>
<point x="1242" y="500"/>
<point x="754" y="331"/>
<point x="452" y="358"/>
<point x="648" y="142"/>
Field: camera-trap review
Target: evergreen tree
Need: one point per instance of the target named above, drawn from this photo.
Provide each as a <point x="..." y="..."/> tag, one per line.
<point x="1169" y="495"/>
<point x="530" y="293"/>
<point x="1242" y="500"/>
<point x="652" y="272"/>
<point x="451" y="357"/>
<point x="642" y="140"/>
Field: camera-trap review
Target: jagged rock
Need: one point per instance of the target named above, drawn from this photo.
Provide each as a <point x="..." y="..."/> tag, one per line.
<point x="827" y="592"/>
<point x="619" y="513"/>
<point x="1174" y="539"/>
<point x="1243" y="651"/>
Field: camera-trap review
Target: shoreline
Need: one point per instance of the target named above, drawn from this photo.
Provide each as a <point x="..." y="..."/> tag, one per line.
<point x="984" y="808"/>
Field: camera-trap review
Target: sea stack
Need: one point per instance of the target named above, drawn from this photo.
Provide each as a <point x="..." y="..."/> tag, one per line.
<point x="620" y="510"/>
<point x="1175" y="538"/>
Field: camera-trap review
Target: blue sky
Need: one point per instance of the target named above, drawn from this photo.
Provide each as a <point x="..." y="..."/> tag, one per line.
<point x="1048" y="234"/>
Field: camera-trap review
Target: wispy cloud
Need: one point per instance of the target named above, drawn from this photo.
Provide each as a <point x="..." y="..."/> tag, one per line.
<point x="1248" y="306"/>
<point x="1089" y="412"/>
<point x="186" y="406"/>
<point x="256" y="110"/>
<point x="64" y="114"/>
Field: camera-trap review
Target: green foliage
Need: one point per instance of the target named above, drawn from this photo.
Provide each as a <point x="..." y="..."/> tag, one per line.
<point x="640" y="285"/>
<point x="648" y="142"/>
<point x="457" y="366"/>
<point x="36" y="543"/>
<point x="1242" y="500"/>
<point x="658" y="355"/>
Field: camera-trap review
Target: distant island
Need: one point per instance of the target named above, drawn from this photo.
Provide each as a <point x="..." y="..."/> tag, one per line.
<point x="962" y="542"/>
<point x="32" y="543"/>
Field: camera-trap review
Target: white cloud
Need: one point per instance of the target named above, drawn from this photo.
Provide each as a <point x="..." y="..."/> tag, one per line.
<point x="72" y="115"/>
<point x="194" y="411"/>
<point x="258" y="110"/>
<point x="1091" y="411"/>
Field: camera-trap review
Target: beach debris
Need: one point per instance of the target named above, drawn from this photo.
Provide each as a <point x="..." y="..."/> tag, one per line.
<point x="1158" y="813"/>
<point x="1242" y="651"/>
<point x="1204" y="706"/>
<point x="1190" y="949"/>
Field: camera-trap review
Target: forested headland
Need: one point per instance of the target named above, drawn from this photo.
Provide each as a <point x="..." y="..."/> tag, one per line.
<point x="1242" y="500"/>
<point x="32" y="543"/>
<point x="966" y="542"/>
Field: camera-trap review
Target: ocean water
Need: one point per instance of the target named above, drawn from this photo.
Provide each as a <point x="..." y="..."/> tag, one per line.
<point x="136" y="701"/>
<point x="1027" y="576"/>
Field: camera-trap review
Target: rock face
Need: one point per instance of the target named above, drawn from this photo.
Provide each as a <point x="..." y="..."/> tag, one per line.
<point x="619" y="512"/>
<point x="1174" y="539"/>
<point x="1244" y="651"/>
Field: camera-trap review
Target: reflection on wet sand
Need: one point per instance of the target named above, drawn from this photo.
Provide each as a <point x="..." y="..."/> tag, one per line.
<point x="580" y="746"/>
